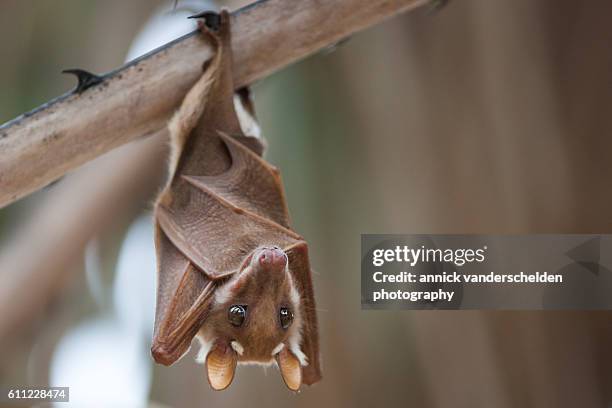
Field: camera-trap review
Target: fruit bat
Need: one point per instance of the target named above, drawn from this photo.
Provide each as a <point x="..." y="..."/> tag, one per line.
<point x="231" y="271"/>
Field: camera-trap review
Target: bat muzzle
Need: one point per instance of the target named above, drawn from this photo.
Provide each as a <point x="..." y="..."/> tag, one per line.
<point x="272" y="259"/>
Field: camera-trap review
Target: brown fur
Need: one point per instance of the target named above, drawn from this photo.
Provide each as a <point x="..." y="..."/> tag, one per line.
<point x="223" y="202"/>
<point x="264" y="292"/>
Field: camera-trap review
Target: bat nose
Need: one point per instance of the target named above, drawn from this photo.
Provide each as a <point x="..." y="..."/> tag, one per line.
<point x="274" y="258"/>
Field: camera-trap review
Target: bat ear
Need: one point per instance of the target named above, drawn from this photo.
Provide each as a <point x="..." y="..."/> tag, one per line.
<point x="220" y="366"/>
<point x="290" y="369"/>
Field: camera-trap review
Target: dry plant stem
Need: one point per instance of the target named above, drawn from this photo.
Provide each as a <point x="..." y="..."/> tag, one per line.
<point x="138" y="99"/>
<point x="36" y="263"/>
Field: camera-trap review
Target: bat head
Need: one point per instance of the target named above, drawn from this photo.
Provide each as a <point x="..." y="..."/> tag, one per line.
<point x="255" y="318"/>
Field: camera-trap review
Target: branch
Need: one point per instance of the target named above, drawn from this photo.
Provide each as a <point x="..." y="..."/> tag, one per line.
<point x="139" y="98"/>
<point x="84" y="204"/>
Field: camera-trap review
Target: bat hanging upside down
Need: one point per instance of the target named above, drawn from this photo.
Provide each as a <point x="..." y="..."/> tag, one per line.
<point x="231" y="271"/>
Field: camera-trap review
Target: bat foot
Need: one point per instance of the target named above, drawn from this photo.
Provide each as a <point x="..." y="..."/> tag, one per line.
<point x="85" y="79"/>
<point x="209" y="19"/>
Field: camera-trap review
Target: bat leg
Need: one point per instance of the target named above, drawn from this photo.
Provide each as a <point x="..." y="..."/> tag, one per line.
<point x="85" y="79"/>
<point x="210" y="19"/>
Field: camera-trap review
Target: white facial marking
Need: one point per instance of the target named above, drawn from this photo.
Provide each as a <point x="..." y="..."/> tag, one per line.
<point x="295" y="331"/>
<point x="237" y="347"/>
<point x="224" y="292"/>
<point x="205" y="346"/>
<point x="294" y="295"/>
<point x="278" y="349"/>
<point x="295" y="349"/>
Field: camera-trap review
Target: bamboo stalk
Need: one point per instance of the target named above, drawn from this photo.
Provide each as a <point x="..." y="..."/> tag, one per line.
<point x="138" y="99"/>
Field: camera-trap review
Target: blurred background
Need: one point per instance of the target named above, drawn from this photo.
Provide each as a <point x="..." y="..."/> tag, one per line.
<point x="481" y="117"/>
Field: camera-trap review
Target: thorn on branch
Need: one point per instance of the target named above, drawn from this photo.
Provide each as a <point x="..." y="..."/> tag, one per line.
<point x="85" y="79"/>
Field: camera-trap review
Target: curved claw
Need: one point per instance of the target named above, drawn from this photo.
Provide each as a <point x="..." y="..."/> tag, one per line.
<point x="85" y="78"/>
<point x="212" y="19"/>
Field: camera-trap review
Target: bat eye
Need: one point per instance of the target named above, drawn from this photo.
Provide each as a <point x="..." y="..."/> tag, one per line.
<point x="286" y="317"/>
<point x="236" y="315"/>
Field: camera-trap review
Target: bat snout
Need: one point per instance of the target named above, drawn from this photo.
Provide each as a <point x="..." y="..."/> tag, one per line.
<point x="272" y="258"/>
